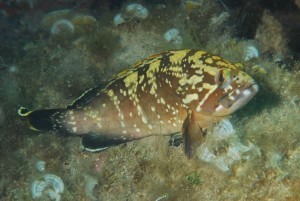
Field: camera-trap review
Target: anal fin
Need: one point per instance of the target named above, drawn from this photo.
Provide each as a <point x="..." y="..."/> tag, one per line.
<point x="193" y="135"/>
<point x="95" y="142"/>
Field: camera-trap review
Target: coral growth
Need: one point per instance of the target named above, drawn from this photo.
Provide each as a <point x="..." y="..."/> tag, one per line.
<point x="222" y="147"/>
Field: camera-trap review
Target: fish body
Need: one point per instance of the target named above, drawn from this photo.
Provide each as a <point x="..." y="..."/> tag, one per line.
<point x="175" y="91"/>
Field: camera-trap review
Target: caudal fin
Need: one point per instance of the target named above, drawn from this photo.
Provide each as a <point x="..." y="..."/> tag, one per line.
<point x="44" y="120"/>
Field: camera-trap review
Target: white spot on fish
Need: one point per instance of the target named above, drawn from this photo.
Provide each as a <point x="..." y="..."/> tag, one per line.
<point x="162" y="101"/>
<point x="144" y="120"/>
<point x="152" y="108"/>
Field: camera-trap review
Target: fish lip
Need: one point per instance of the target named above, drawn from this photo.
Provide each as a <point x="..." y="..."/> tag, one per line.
<point x="243" y="98"/>
<point x="246" y="95"/>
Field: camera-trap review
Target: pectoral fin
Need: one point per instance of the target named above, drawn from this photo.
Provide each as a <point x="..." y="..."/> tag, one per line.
<point x="193" y="135"/>
<point x="95" y="142"/>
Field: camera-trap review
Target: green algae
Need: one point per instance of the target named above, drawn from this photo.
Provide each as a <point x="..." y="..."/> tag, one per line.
<point x="194" y="178"/>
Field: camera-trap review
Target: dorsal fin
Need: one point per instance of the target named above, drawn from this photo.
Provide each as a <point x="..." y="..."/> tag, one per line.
<point x="88" y="95"/>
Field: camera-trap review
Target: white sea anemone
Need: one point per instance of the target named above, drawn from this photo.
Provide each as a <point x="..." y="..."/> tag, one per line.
<point x="62" y="26"/>
<point x="48" y="185"/>
<point x="251" y="52"/>
<point x="172" y="35"/>
<point x="137" y="10"/>
<point x="118" y="19"/>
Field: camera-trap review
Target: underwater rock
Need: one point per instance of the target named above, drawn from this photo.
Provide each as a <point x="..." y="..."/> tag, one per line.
<point x="172" y="35"/>
<point x="297" y="2"/>
<point x="190" y="6"/>
<point x="48" y="185"/>
<point x="90" y="183"/>
<point x="293" y="162"/>
<point x="222" y="147"/>
<point x="83" y="20"/>
<point x="83" y="23"/>
<point x="40" y="166"/>
<point x="270" y="35"/>
<point x="275" y="161"/>
<point x="251" y="52"/>
<point x="2" y="116"/>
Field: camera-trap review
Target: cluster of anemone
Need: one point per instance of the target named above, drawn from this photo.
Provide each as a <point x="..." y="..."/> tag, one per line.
<point x="222" y="147"/>
<point x="64" y="22"/>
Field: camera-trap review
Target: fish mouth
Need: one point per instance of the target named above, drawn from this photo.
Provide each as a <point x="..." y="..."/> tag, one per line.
<point x="242" y="98"/>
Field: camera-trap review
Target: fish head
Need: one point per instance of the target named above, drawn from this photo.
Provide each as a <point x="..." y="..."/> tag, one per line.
<point x="233" y="88"/>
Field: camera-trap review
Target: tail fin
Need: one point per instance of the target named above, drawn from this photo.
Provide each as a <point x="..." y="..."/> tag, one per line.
<point x="44" y="120"/>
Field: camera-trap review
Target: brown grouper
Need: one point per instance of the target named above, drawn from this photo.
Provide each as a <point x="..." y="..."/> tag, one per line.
<point x="182" y="91"/>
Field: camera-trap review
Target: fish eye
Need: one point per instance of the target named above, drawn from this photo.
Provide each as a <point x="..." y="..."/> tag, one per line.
<point x="222" y="80"/>
<point x="219" y="79"/>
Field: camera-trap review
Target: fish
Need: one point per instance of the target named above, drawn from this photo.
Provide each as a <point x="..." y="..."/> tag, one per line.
<point x="173" y="92"/>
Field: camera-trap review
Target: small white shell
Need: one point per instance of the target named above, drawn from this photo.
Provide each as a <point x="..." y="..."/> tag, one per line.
<point x="137" y="10"/>
<point x="40" y="166"/>
<point x="251" y="52"/>
<point x="118" y="19"/>
<point x="172" y="35"/>
<point x="62" y="26"/>
<point x="50" y="185"/>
